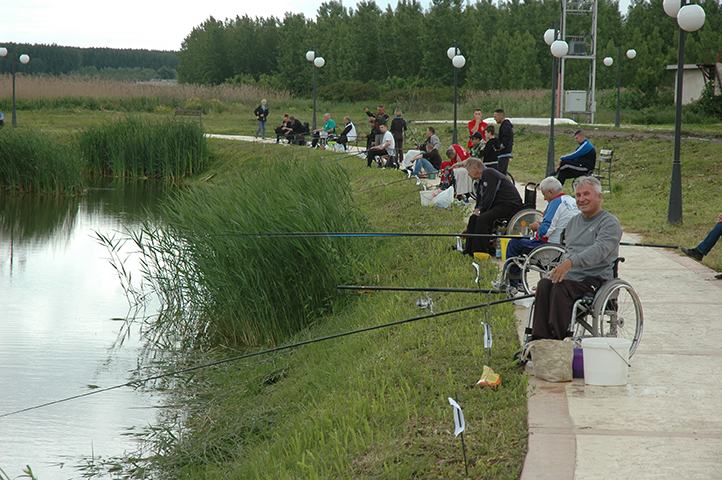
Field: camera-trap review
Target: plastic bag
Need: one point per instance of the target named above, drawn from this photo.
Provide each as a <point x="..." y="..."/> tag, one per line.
<point x="552" y="359"/>
<point x="444" y="199"/>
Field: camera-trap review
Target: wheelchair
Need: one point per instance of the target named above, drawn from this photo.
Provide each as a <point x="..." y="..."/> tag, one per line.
<point x="613" y="311"/>
<point x="534" y="265"/>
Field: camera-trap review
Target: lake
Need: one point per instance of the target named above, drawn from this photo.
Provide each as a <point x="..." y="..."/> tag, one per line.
<point x="62" y="310"/>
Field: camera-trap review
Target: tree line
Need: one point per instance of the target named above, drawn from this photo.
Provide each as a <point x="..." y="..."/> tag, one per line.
<point x="60" y="60"/>
<point x="503" y="45"/>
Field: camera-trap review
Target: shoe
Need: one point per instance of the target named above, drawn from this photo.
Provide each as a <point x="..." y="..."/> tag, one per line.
<point x="499" y="285"/>
<point x="718" y="276"/>
<point x="693" y="253"/>
<point x="512" y="292"/>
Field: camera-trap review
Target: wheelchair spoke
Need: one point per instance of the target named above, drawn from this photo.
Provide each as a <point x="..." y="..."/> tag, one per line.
<point x="618" y="313"/>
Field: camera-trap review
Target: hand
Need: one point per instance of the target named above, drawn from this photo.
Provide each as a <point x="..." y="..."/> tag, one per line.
<point x="719" y="218"/>
<point x="475" y="212"/>
<point x="558" y="274"/>
<point x="535" y="226"/>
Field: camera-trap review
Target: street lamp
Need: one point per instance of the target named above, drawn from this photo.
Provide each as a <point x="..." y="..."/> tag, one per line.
<point x="690" y="18"/>
<point x="458" y="61"/>
<point x="559" y="48"/>
<point x="608" y="61"/>
<point x="318" y="62"/>
<point x="24" y="59"/>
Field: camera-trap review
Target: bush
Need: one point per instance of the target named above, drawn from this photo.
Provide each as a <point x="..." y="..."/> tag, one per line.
<point x="708" y="104"/>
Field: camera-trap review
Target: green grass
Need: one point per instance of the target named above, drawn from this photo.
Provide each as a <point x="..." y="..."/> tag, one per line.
<point x="159" y="148"/>
<point x="33" y="162"/>
<point x="372" y="405"/>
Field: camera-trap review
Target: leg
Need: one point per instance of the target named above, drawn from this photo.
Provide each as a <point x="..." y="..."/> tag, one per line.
<point x="485" y="224"/>
<point x="470" y="228"/>
<point x="514" y="249"/>
<point x="263" y="133"/>
<point x="503" y="164"/>
<point x="425" y="164"/>
<point x="554" y="313"/>
<point x="712" y="237"/>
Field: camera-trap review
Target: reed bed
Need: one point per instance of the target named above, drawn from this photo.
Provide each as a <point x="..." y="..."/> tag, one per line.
<point x="74" y="91"/>
<point x="34" y="162"/>
<point x="218" y="287"/>
<point x="154" y="148"/>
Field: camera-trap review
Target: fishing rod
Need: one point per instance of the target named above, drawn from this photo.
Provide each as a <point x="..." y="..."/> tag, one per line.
<point x="417" y="289"/>
<point x="653" y="245"/>
<point x="136" y="383"/>
<point x="359" y="234"/>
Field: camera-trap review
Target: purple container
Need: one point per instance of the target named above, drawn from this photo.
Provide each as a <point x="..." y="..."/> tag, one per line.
<point x="578" y="364"/>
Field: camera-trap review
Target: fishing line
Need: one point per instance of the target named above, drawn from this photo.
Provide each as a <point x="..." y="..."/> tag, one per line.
<point x="388" y="72"/>
<point x="358" y="234"/>
<point x="416" y="289"/>
<point x="262" y="352"/>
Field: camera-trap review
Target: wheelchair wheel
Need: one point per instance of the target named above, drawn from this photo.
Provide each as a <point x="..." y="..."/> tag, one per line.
<point x="519" y="223"/>
<point x="539" y="263"/>
<point x="618" y="313"/>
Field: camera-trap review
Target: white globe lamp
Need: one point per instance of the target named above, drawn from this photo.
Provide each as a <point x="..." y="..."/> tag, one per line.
<point x="690" y="18"/>
<point x="559" y="48"/>
<point x="608" y="61"/>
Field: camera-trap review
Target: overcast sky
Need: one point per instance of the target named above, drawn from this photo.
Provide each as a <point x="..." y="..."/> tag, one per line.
<point x="149" y="24"/>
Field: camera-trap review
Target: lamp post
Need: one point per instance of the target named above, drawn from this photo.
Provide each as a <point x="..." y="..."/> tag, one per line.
<point x="24" y="59"/>
<point x="559" y="48"/>
<point x="318" y="62"/>
<point x="458" y="61"/>
<point x="690" y="18"/>
<point x="608" y="61"/>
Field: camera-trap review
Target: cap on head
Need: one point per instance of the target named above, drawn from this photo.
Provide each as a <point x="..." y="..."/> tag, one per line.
<point x="477" y="135"/>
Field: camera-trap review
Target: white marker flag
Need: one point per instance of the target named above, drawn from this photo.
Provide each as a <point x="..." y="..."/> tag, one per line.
<point x="487" y="335"/>
<point x="477" y="272"/>
<point x="459" y="423"/>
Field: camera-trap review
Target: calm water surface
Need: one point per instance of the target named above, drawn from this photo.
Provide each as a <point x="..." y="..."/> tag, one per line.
<point x="59" y="297"/>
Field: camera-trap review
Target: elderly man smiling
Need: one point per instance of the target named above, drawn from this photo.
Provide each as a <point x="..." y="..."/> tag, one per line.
<point x="592" y="246"/>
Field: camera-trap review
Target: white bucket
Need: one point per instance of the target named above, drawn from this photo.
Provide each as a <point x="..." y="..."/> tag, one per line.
<point x="606" y="360"/>
<point x="426" y="197"/>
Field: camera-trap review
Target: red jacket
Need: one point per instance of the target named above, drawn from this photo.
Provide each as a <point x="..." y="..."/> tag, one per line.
<point x="473" y="129"/>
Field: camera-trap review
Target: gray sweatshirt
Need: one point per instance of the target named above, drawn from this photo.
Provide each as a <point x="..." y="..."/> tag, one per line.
<point x="592" y="245"/>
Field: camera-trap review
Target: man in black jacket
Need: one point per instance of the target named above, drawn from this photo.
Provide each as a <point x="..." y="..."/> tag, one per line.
<point x="506" y="139"/>
<point x="496" y="198"/>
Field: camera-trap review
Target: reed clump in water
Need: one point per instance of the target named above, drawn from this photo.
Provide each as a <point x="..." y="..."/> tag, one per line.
<point x="218" y="287"/>
<point x="33" y="162"/>
<point x="142" y="147"/>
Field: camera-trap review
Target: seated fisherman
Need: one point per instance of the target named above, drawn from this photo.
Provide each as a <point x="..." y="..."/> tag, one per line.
<point x="348" y="134"/>
<point x="430" y="160"/>
<point x="560" y="209"/>
<point x="293" y="128"/>
<point x="592" y="247"/>
<point x="281" y="129"/>
<point x="578" y="163"/>
<point x="496" y="198"/>
<point x="328" y="129"/>
<point x="386" y="148"/>
<point x="455" y="154"/>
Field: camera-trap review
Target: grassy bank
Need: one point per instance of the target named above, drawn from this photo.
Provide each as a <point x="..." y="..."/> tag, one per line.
<point x="370" y="405"/>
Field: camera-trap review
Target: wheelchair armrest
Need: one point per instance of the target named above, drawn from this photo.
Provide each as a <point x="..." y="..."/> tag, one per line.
<point x="616" y="266"/>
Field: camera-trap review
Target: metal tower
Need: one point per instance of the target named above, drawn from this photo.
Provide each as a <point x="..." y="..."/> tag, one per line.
<point x="582" y="40"/>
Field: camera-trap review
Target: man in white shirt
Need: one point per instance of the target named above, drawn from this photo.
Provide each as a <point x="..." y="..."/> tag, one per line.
<point x="386" y="148"/>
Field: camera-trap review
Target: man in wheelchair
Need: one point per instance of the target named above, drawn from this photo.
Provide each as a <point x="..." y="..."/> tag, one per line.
<point x="592" y="246"/>
<point x="560" y="209"/>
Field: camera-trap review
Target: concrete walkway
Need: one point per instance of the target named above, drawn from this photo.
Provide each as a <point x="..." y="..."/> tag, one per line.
<point x="667" y="422"/>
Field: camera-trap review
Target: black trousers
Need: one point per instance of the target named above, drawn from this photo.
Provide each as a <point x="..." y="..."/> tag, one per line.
<point x="483" y="223"/>
<point x="381" y="152"/>
<point x="567" y="171"/>
<point x="553" y="305"/>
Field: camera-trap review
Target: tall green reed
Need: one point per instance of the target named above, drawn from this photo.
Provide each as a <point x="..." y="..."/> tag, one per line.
<point x="34" y="162"/>
<point x="218" y="287"/>
<point x="135" y="147"/>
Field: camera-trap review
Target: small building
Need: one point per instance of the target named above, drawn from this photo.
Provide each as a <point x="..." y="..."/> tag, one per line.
<point x="696" y="77"/>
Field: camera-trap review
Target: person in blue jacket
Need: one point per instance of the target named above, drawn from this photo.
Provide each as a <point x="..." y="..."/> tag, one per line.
<point x="578" y="163"/>
<point x="560" y="209"/>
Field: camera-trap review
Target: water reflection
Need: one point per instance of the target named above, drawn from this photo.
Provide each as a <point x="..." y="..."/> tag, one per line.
<point x="59" y="296"/>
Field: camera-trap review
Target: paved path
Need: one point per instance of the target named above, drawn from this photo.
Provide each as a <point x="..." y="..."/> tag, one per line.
<point x="667" y="422"/>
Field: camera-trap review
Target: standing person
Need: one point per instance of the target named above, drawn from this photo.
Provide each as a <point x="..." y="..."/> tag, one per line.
<point x="476" y="125"/>
<point x="386" y="147"/>
<point x="506" y="139"/>
<point x="349" y="132"/>
<point x="398" y="127"/>
<point x="261" y="113"/>
<point x="496" y="198"/>
<point x="374" y="138"/>
<point x="328" y="128"/>
<point x="706" y="245"/>
<point x="592" y="247"/>
<point x="578" y="163"/>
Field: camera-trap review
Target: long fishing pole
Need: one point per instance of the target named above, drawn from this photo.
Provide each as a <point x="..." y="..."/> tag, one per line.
<point x="416" y="289"/>
<point x="653" y="245"/>
<point x="358" y="234"/>
<point x="262" y="352"/>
